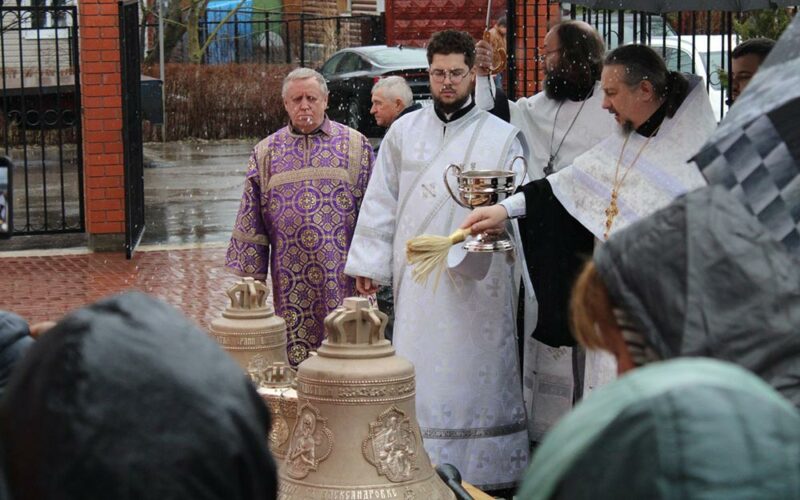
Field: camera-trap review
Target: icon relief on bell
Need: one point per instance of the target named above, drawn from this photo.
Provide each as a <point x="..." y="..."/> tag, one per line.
<point x="392" y="446"/>
<point x="279" y="432"/>
<point x="311" y="442"/>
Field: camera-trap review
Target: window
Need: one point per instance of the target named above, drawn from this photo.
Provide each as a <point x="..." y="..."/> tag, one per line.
<point x="329" y="68"/>
<point x="351" y="62"/>
<point x="49" y="19"/>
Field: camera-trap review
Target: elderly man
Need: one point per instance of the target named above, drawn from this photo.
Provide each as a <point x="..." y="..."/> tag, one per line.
<point x="391" y="99"/>
<point x="746" y="58"/>
<point x="303" y="189"/>
<point x="663" y="119"/>
<point x="559" y="124"/>
<point x="460" y="336"/>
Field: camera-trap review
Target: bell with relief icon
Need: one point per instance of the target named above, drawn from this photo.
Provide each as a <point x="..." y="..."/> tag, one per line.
<point x="276" y="387"/>
<point x="356" y="434"/>
<point x="249" y="329"/>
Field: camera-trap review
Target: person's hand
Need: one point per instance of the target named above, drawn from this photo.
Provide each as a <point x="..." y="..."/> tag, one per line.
<point x="486" y="219"/>
<point x="483" y="57"/>
<point x="365" y="286"/>
<point x="39" y="328"/>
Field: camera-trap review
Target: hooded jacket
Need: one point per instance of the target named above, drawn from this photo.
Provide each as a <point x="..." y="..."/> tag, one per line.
<point x="703" y="277"/>
<point x="126" y="399"/>
<point x="15" y="340"/>
<point x="685" y="429"/>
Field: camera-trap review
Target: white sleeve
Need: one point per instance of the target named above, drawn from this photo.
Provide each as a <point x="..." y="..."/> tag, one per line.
<point x="371" y="250"/>
<point x="515" y="205"/>
<point x="484" y="90"/>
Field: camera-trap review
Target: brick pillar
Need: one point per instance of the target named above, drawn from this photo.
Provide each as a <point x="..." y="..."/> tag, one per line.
<point x="531" y="25"/>
<point x="102" y="123"/>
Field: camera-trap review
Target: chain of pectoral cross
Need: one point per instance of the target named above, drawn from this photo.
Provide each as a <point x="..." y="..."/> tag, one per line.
<point x="613" y="209"/>
<point x="550" y="168"/>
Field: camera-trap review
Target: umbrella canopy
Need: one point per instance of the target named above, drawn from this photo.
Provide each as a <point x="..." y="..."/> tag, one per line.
<point x="663" y="6"/>
<point x="755" y="152"/>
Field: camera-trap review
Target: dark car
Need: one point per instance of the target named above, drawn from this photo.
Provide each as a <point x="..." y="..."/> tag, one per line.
<point x="352" y="72"/>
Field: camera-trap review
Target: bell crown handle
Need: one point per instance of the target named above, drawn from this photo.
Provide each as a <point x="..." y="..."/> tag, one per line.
<point x="457" y="168"/>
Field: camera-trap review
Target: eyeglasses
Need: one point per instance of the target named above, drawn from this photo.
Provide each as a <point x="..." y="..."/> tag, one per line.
<point x="543" y="56"/>
<point x="455" y="75"/>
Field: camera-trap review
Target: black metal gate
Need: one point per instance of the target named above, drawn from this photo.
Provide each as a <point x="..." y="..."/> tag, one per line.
<point x="133" y="155"/>
<point x="40" y="126"/>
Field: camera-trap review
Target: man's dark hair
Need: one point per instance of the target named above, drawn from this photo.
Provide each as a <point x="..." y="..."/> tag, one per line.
<point x="452" y="42"/>
<point x="502" y="21"/>
<point x="580" y="62"/>
<point x="643" y="63"/>
<point x="756" y="46"/>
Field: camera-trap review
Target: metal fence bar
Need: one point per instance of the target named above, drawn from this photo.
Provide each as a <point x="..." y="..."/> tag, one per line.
<point x="40" y="114"/>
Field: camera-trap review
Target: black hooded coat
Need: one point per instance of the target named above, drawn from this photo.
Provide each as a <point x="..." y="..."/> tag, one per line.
<point x="126" y="399"/>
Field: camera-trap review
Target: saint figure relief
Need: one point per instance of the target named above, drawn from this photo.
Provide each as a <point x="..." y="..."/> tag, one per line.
<point x="311" y="443"/>
<point x="392" y="446"/>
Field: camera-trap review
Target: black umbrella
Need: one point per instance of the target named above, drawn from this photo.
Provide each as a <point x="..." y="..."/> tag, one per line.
<point x="663" y="6"/>
<point x="755" y="152"/>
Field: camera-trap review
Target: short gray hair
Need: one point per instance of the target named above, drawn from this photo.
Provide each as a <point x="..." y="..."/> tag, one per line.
<point x="395" y="87"/>
<point x="304" y="74"/>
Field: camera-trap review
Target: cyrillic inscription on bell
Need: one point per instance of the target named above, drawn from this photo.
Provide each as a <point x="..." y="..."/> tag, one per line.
<point x="249" y="328"/>
<point x="356" y="434"/>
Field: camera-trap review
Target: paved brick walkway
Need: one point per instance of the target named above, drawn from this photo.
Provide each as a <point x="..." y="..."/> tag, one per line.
<point x="46" y="287"/>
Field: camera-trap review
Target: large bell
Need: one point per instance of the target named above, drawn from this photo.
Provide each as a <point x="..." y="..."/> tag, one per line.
<point x="249" y="329"/>
<point x="356" y="434"/>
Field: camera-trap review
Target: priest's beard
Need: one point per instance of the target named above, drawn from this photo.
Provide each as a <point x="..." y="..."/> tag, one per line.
<point x="450" y="108"/>
<point x="560" y="85"/>
<point x="627" y="126"/>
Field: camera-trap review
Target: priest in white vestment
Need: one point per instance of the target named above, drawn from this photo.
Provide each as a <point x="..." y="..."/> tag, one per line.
<point x="663" y="120"/>
<point x="560" y="123"/>
<point x="460" y="336"/>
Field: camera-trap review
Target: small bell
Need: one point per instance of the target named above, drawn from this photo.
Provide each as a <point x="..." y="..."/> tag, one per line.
<point x="249" y="329"/>
<point x="276" y="387"/>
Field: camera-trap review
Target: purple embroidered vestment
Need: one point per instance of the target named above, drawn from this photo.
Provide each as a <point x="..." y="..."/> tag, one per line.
<point x="298" y="212"/>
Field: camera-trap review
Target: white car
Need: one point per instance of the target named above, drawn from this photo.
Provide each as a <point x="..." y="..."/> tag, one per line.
<point x="703" y="55"/>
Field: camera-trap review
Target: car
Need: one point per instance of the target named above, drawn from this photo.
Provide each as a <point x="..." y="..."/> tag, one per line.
<point x="351" y="73"/>
<point x="703" y="55"/>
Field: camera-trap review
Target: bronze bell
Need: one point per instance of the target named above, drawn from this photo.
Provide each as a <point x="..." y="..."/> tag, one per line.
<point x="356" y="434"/>
<point x="249" y="329"/>
<point x="276" y="387"/>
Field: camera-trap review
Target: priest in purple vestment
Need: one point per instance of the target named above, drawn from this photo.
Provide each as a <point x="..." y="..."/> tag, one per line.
<point x="302" y="192"/>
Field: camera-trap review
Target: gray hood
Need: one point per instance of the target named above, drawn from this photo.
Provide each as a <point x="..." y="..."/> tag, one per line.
<point x="703" y="277"/>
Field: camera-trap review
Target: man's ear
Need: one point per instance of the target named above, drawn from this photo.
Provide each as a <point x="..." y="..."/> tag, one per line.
<point x="647" y="88"/>
<point x="399" y="104"/>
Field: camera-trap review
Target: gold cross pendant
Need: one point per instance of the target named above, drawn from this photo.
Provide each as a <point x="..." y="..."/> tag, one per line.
<point x="611" y="213"/>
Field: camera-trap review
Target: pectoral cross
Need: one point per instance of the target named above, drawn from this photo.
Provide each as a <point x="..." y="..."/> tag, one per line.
<point x="549" y="168"/>
<point x="611" y="212"/>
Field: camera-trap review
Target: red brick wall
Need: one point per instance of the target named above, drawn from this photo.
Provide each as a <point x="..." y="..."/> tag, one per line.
<point x="412" y="22"/>
<point x="532" y="20"/>
<point x="102" y="116"/>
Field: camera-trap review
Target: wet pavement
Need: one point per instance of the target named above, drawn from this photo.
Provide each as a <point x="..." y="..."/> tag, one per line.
<point x="44" y="285"/>
<point x="192" y="192"/>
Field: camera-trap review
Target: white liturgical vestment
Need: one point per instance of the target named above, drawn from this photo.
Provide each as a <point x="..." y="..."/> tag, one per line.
<point x="461" y="336"/>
